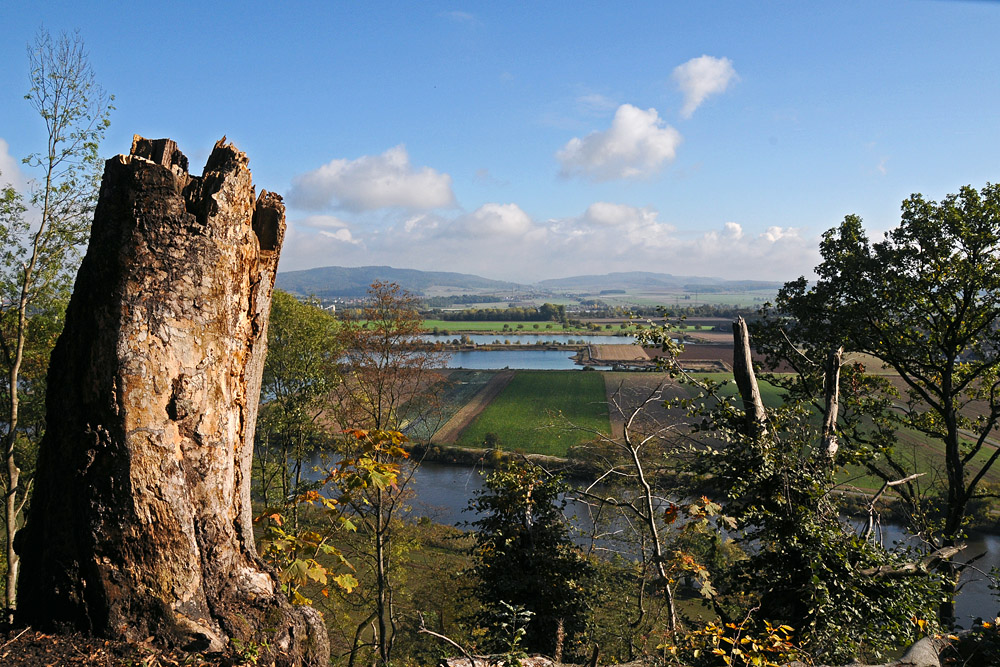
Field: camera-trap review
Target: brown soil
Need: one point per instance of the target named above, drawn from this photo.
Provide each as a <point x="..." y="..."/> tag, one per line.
<point x="25" y="647"/>
<point x="449" y="433"/>
<point x="627" y="391"/>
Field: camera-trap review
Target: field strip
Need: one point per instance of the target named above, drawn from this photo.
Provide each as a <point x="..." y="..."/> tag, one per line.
<point x="449" y="433"/>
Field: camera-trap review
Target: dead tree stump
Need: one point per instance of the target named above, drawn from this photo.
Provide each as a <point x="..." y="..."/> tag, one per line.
<point x="141" y="521"/>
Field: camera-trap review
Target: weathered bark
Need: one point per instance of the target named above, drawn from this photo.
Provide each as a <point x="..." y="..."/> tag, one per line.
<point x="746" y="380"/>
<point x="831" y="391"/>
<point x="141" y="522"/>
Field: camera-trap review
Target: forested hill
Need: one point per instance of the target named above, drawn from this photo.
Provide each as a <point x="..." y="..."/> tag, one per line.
<point x="339" y="281"/>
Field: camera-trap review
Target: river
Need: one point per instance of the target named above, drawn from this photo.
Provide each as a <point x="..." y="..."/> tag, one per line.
<point x="517" y="338"/>
<point x="541" y="360"/>
<point x="442" y="492"/>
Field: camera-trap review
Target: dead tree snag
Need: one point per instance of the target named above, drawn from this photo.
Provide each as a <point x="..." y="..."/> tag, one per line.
<point x="141" y="522"/>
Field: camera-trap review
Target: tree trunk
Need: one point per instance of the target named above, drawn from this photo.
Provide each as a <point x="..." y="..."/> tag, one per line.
<point x="831" y="392"/>
<point x="746" y="380"/>
<point x="141" y="523"/>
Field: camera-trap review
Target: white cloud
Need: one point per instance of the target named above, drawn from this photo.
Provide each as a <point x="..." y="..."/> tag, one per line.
<point x="637" y="144"/>
<point x="604" y="213"/>
<point x="341" y="235"/>
<point x="322" y="222"/>
<point x="372" y="182"/>
<point x="10" y="170"/>
<point x="702" y="77"/>
<point x="496" y="220"/>
<point x="503" y="241"/>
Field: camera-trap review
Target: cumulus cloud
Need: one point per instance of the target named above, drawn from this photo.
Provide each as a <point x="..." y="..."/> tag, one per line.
<point x="341" y="235"/>
<point x="702" y="77"/>
<point x="322" y="222"/>
<point x="496" y="220"/>
<point x="10" y="169"/>
<point x="327" y="226"/>
<point x="503" y="241"/>
<point x="372" y="182"/>
<point x="637" y="144"/>
<point x="607" y="214"/>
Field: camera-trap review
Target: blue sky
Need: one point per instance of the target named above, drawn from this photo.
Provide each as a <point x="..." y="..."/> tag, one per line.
<point x="537" y="140"/>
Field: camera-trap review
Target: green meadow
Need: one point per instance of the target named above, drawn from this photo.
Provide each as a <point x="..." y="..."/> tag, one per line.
<point x="543" y="412"/>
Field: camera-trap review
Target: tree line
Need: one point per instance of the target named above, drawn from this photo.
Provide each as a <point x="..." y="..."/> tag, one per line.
<point x="547" y="312"/>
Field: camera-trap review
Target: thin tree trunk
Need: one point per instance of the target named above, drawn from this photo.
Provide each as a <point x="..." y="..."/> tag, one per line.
<point x="381" y="580"/>
<point x="11" y="501"/>
<point x="141" y="523"/>
<point x="746" y="380"/>
<point x="831" y="390"/>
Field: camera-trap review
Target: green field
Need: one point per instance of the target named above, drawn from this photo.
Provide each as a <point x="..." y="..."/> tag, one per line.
<point x="533" y="412"/>
<point x="771" y="395"/>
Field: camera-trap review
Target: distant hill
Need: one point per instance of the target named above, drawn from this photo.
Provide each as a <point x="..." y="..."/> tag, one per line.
<point x="631" y="280"/>
<point x="339" y="281"/>
<point x="331" y="282"/>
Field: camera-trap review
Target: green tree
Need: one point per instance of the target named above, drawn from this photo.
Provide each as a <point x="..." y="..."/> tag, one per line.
<point x="300" y="370"/>
<point x="804" y="566"/>
<point x="925" y="301"/>
<point x="524" y="558"/>
<point x="389" y="384"/>
<point x="40" y="256"/>
<point x="776" y="471"/>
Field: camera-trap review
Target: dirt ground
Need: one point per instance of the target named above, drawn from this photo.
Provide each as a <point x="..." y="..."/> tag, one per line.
<point x="626" y="392"/>
<point x="449" y="433"/>
<point x="25" y="647"/>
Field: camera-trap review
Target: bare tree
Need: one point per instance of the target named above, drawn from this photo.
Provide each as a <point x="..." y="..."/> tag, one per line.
<point x="390" y="383"/>
<point x="38" y="260"/>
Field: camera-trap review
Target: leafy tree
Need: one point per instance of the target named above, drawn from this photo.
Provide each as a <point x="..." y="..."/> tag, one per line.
<point x="925" y="302"/>
<point x="389" y="382"/>
<point x="39" y="257"/>
<point x="776" y="472"/>
<point x="804" y="566"/>
<point x="524" y="558"/>
<point x="300" y="370"/>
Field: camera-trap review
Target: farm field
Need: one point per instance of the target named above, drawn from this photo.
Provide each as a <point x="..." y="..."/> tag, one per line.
<point x="523" y="414"/>
<point x="681" y="299"/>
<point x="532" y="411"/>
<point x="454" y="391"/>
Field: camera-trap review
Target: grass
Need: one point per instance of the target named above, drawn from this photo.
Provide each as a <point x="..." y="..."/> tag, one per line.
<point x="532" y="412"/>
<point x="770" y="394"/>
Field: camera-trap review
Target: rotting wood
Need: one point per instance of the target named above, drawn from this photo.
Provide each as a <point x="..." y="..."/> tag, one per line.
<point x="141" y="523"/>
